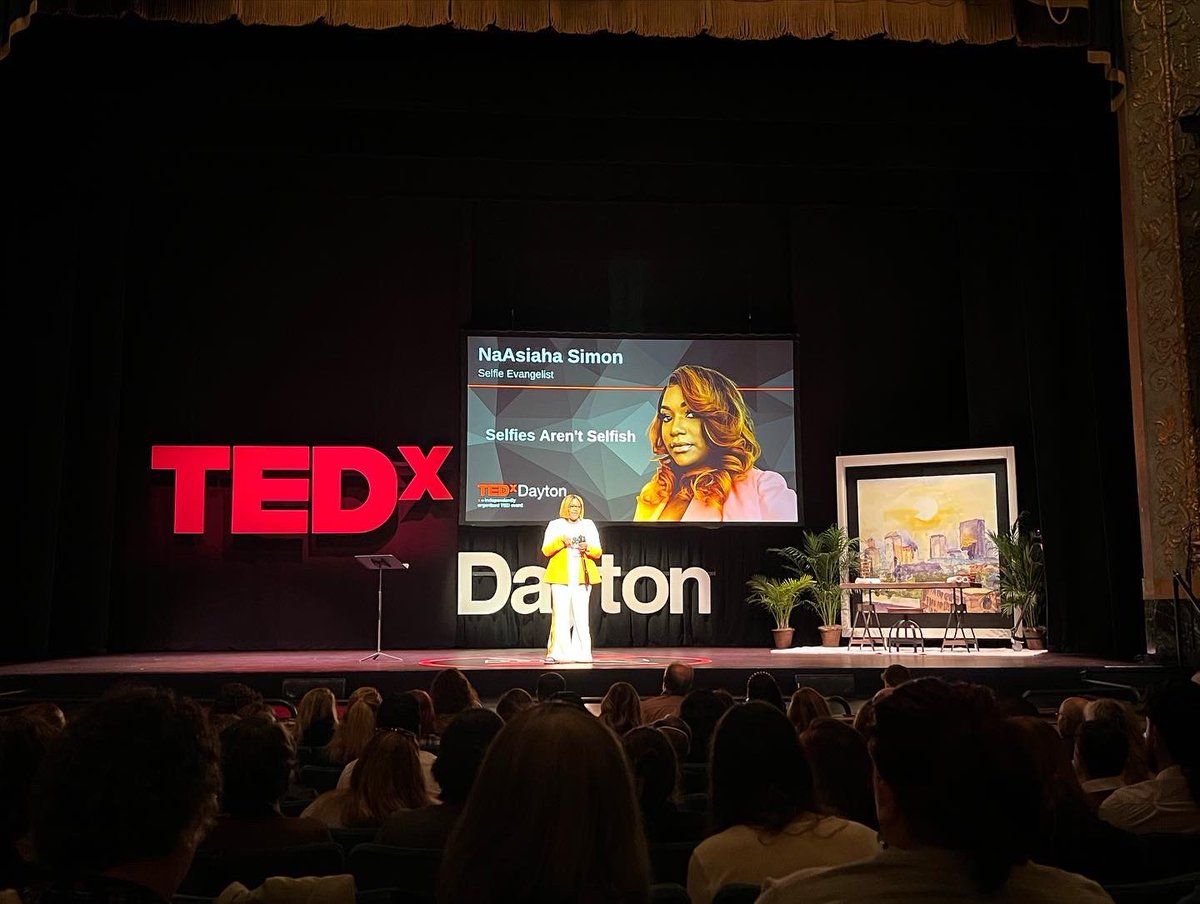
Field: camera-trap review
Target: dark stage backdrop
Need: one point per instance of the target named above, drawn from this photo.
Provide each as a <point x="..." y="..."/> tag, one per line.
<point x="230" y="235"/>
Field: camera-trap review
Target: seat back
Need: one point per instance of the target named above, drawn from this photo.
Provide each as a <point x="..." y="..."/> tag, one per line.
<point x="669" y="862"/>
<point x="1159" y="891"/>
<point x="349" y="839"/>
<point x="736" y="893"/>
<point x="319" y="778"/>
<point x="408" y="870"/>
<point x="212" y="872"/>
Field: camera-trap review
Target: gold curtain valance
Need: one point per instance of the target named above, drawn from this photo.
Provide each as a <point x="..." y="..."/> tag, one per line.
<point x="939" y="21"/>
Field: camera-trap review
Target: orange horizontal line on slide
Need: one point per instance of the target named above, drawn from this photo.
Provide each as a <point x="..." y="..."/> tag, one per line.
<point x="612" y="388"/>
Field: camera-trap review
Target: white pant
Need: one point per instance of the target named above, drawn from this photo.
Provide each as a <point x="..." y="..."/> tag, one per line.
<point x="570" y="639"/>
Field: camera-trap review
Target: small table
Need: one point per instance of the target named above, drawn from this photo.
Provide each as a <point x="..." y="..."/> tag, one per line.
<point x="906" y="631"/>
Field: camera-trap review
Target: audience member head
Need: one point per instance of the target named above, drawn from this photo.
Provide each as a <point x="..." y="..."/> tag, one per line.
<point x="127" y="790"/>
<point x="387" y="778"/>
<point x="655" y="766"/>
<point x="806" y="704"/>
<point x="931" y="735"/>
<point x="231" y="697"/>
<point x="352" y="734"/>
<point x="841" y="769"/>
<point x="895" y="675"/>
<point x="50" y="713"/>
<point x="399" y="711"/>
<point x="512" y="702"/>
<point x="1012" y="705"/>
<point x="316" y="718"/>
<point x="743" y="792"/>
<point x="1070" y="716"/>
<point x="551" y="817"/>
<point x="549" y="684"/>
<point x="257" y="756"/>
<point x="1122" y="715"/>
<point x="464" y="744"/>
<point x="1101" y="750"/>
<point x="1173" y="733"/>
<point x="763" y="686"/>
<point x="570" y="698"/>
<point x="366" y="694"/>
<point x="701" y="710"/>
<point x="864" y="720"/>
<point x="1060" y="788"/>
<point x="678" y="678"/>
<point x="24" y="741"/>
<point x="452" y="693"/>
<point x="428" y="716"/>
<point x="621" y="708"/>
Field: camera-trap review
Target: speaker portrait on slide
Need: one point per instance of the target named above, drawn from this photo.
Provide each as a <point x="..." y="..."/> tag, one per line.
<point x="703" y="437"/>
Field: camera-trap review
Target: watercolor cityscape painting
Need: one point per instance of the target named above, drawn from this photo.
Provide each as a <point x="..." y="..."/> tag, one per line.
<point x="925" y="517"/>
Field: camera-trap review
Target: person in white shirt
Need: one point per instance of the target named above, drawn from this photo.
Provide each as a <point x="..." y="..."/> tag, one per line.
<point x="1167" y="802"/>
<point x="765" y="809"/>
<point x="958" y="806"/>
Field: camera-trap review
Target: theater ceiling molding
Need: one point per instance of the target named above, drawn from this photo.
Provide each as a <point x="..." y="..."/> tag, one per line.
<point x="937" y="21"/>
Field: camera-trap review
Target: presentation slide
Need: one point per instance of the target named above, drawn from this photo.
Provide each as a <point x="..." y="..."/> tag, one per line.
<point x="643" y="430"/>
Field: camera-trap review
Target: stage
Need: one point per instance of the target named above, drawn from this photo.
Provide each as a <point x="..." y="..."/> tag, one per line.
<point x="286" y="674"/>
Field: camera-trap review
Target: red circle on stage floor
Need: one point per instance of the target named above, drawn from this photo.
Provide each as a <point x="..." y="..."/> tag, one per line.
<point x="531" y="660"/>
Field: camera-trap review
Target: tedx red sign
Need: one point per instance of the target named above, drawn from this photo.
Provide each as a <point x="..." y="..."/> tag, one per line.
<point x="319" y="472"/>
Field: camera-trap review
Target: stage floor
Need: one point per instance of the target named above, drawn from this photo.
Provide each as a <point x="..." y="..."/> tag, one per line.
<point x="494" y="671"/>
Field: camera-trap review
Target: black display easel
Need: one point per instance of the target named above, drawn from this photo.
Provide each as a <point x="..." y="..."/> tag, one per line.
<point x="380" y="563"/>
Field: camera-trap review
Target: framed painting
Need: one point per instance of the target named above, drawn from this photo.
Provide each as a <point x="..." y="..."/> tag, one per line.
<point x="925" y="517"/>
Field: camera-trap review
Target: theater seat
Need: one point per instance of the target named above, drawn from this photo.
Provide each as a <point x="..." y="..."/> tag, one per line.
<point x="669" y="862"/>
<point x="409" y="870"/>
<point x="1161" y="891"/>
<point x="319" y="778"/>
<point x="736" y="893"/>
<point x="668" y="893"/>
<point x="349" y="839"/>
<point x="212" y="872"/>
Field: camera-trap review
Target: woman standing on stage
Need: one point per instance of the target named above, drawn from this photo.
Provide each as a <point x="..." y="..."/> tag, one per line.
<point x="572" y="544"/>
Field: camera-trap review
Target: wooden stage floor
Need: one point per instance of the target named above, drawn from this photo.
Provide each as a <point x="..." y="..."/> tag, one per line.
<point x="494" y="671"/>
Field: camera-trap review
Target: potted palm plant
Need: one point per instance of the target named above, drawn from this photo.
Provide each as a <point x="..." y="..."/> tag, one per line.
<point x="1022" y="581"/>
<point x="779" y="596"/>
<point x="828" y="557"/>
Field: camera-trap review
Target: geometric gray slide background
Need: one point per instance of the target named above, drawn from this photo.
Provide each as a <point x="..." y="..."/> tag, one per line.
<point x="602" y="397"/>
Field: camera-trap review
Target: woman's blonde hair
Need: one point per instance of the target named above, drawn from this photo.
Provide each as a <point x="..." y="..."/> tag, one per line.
<point x="352" y="734"/>
<point x="318" y="705"/>
<point x="728" y="427"/>
<point x="386" y="778"/>
<point x="621" y="708"/>
<point x="566" y="504"/>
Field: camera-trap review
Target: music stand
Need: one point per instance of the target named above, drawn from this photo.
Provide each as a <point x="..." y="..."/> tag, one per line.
<point x="380" y="563"/>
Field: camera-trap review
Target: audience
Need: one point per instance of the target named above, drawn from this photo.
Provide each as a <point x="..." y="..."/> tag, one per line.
<point x="677" y="733"/>
<point x="316" y="718"/>
<point x="763" y="686"/>
<point x="1121" y="714"/>
<point x="549" y="684"/>
<point x="1071" y="836"/>
<point x="452" y="694"/>
<point x="1101" y="751"/>
<point x="1069" y="718"/>
<point x="121" y="799"/>
<point x="621" y="708"/>
<point x="387" y="778"/>
<point x="257" y="755"/>
<point x="958" y="803"/>
<point x="841" y="768"/>
<point x="512" y="702"/>
<point x="400" y="712"/>
<point x="700" y="711"/>
<point x="656" y="781"/>
<point x="24" y="740"/>
<point x="805" y="706"/>
<point x="895" y="675"/>
<point x="365" y="694"/>
<point x="676" y="684"/>
<point x="233" y="696"/>
<point x="464" y="744"/>
<point x="764" y="808"/>
<point x="427" y="736"/>
<point x="352" y="734"/>
<point x="551" y="817"/>
<point x="1167" y="802"/>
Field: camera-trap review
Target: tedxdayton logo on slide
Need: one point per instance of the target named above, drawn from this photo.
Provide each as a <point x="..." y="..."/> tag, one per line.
<point x="513" y="495"/>
<point x="317" y="478"/>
